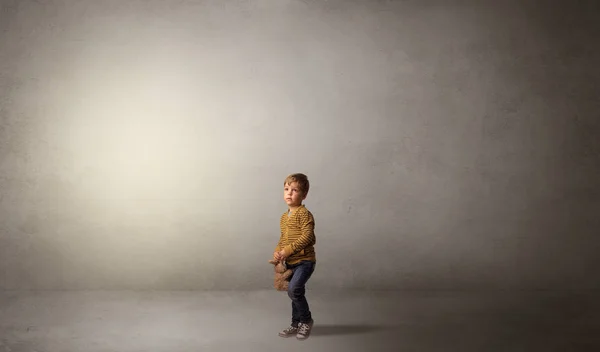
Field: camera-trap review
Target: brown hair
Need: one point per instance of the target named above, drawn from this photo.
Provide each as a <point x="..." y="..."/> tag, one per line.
<point x="302" y="180"/>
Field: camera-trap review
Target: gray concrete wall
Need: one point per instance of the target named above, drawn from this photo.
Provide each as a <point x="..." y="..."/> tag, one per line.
<point x="450" y="144"/>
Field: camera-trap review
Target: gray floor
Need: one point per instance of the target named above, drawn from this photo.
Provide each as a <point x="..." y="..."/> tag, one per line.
<point x="249" y="321"/>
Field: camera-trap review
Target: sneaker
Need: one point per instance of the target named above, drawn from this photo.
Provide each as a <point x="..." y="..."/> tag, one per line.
<point x="292" y="330"/>
<point x="304" y="330"/>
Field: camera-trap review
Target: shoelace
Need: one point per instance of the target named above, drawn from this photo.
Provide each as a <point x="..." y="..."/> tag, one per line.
<point x="303" y="329"/>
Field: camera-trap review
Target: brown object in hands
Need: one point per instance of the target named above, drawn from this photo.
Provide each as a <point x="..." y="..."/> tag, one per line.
<point x="282" y="273"/>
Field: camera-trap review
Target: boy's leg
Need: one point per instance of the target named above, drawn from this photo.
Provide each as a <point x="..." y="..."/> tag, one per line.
<point x="301" y="313"/>
<point x="295" y="315"/>
<point x="296" y="288"/>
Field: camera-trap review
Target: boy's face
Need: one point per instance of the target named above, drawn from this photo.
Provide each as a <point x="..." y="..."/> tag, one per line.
<point x="292" y="195"/>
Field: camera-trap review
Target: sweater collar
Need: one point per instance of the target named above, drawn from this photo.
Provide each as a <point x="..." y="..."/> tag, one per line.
<point x="290" y="213"/>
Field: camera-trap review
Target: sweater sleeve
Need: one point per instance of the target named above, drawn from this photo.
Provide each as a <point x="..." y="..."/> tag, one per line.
<point x="307" y="238"/>
<point x="279" y="245"/>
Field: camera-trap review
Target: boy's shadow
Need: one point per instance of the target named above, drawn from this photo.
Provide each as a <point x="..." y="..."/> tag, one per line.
<point x="336" y="329"/>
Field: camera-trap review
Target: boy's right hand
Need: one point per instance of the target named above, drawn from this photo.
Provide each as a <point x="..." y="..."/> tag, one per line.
<point x="277" y="255"/>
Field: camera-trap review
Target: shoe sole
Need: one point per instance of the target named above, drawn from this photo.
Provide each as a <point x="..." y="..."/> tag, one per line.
<point x="286" y="336"/>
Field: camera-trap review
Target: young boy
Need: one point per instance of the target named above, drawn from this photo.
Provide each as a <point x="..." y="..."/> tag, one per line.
<point x="296" y="248"/>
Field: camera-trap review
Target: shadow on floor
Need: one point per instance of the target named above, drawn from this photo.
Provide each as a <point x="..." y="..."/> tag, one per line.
<point x="340" y="329"/>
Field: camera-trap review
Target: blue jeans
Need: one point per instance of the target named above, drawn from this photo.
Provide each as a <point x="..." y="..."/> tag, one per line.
<point x="296" y="289"/>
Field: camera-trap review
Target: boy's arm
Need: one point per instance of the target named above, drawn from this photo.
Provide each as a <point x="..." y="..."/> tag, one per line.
<point x="279" y="245"/>
<point x="307" y="226"/>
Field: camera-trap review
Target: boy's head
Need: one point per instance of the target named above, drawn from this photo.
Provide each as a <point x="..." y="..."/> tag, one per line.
<point x="295" y="189"/>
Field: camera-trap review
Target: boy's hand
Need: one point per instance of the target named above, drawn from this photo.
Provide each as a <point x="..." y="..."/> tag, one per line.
<point x="282" y="255"/>
<point x="277" y="255"/>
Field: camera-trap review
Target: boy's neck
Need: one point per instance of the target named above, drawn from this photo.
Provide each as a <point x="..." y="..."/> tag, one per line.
<point x="291" y="209"/>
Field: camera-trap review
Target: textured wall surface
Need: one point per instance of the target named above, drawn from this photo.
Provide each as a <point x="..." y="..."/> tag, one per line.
<point x="450" y="144"/>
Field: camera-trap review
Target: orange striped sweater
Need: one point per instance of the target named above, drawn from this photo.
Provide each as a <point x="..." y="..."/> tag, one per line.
<point x="297" y="236"/>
